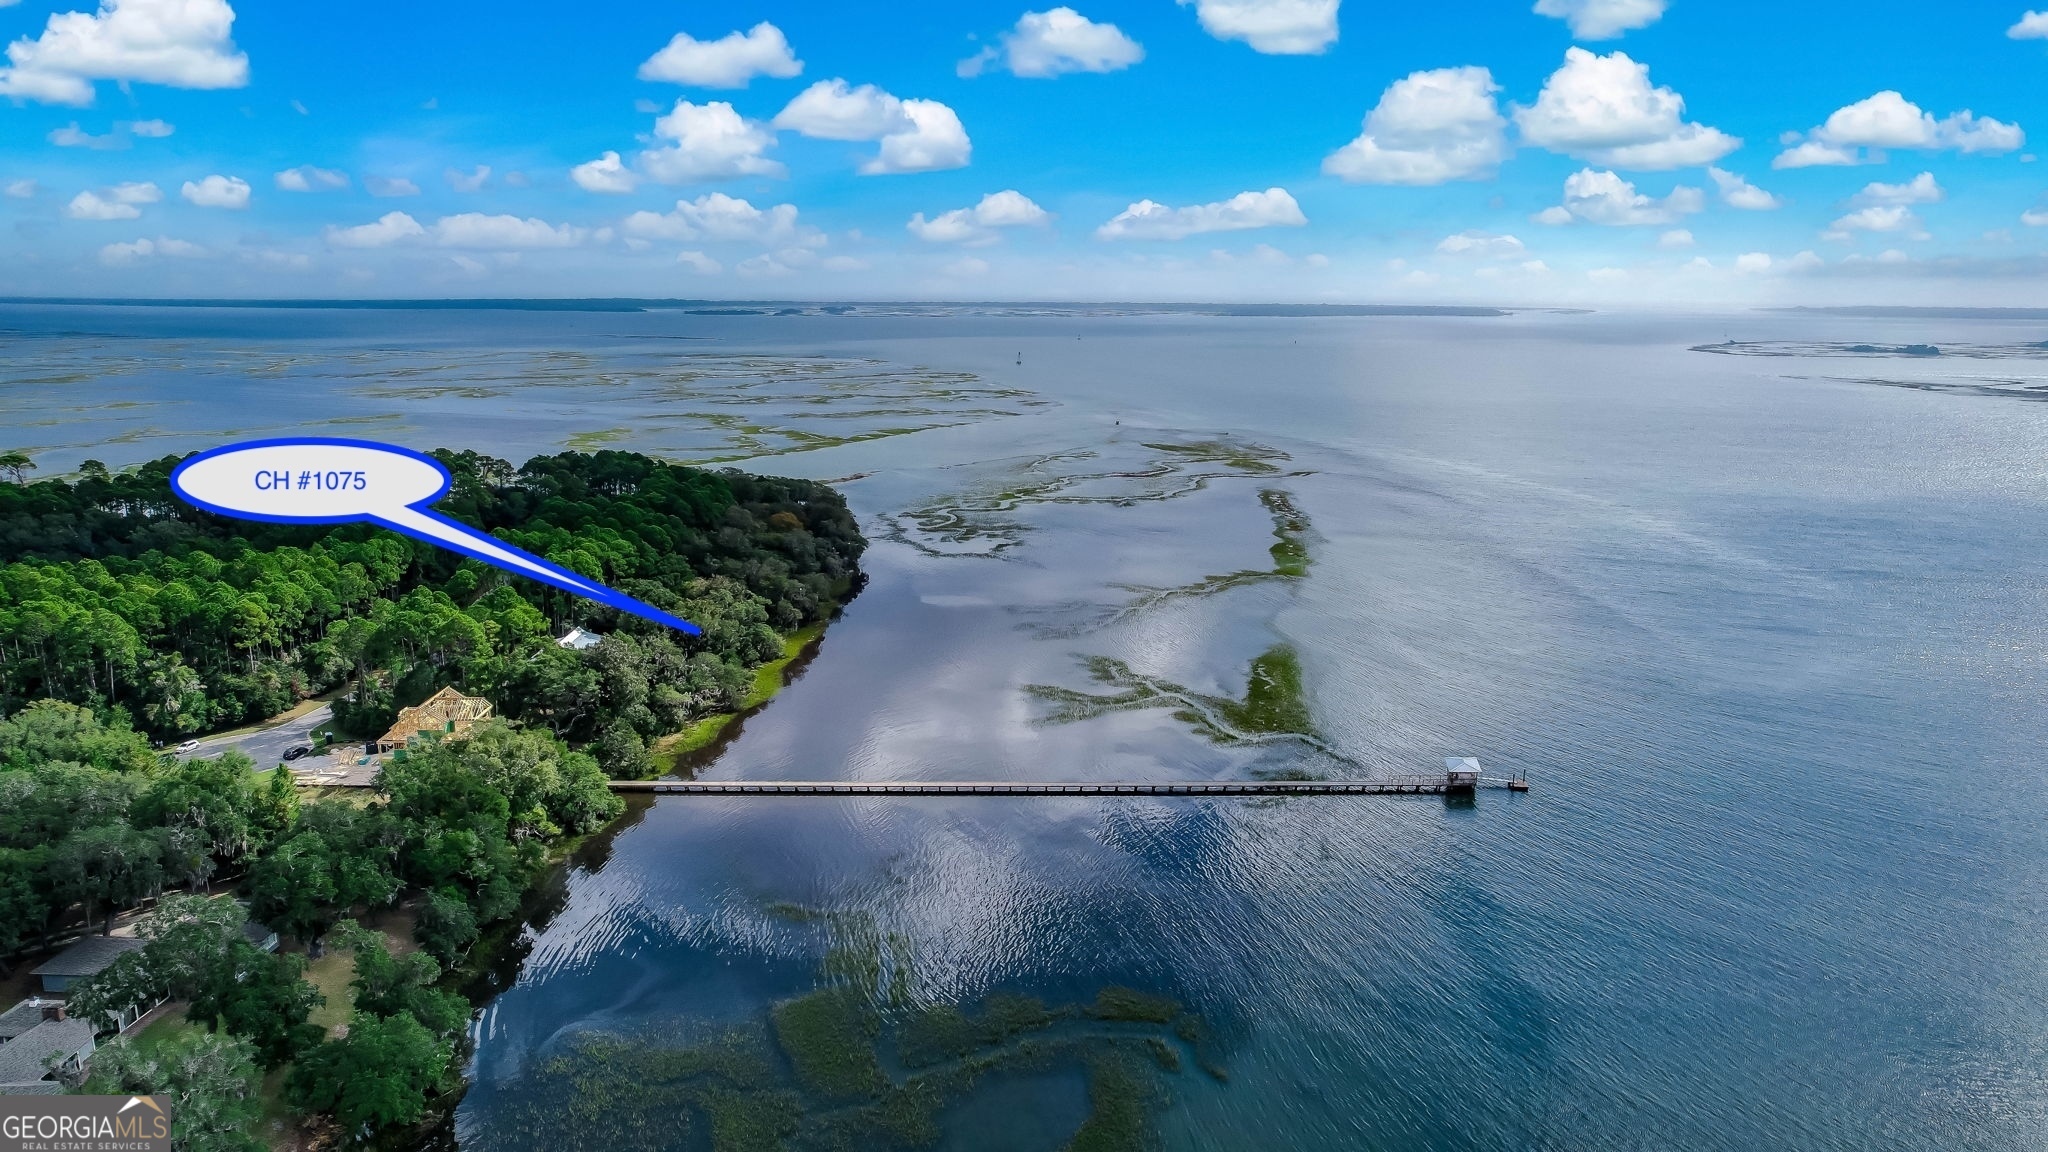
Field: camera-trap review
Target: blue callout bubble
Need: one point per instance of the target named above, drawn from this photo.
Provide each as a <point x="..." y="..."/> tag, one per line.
<point x="324" y="480"/>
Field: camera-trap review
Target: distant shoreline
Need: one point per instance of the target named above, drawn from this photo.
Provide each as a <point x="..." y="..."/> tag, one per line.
<point x="773" y="307"/>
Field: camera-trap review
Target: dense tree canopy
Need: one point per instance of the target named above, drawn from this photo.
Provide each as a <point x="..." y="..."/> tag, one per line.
<point x="121" y="596"/>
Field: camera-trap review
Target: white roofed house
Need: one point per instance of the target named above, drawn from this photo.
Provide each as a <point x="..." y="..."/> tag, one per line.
<point x="579" y="641"/>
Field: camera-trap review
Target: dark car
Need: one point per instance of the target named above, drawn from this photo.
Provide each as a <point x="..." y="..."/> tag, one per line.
<point x="296" y="751"/>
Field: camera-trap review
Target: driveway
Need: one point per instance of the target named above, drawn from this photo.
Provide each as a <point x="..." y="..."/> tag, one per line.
<point x="266" y="746"/>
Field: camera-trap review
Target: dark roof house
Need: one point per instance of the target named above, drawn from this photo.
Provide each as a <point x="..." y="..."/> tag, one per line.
<point x="56" y="1045"/>
<point x="88" y="956"/>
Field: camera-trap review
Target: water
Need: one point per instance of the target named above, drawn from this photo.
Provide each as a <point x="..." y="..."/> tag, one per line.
<point x="1766" y="636"/>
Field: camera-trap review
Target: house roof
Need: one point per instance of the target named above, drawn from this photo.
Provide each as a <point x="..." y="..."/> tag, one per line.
<point x="436" y="713"/>
<point x="578" y="640"/>
<point x="23" y="1060"/>
<point x="88" y="956"/>
<point x="20" y="1018"/>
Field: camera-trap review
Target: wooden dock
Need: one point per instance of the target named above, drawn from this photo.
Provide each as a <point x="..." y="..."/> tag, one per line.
<point x="1389" y="786"/>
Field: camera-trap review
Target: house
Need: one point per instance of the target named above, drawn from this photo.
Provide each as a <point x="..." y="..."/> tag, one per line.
<point x="445" y="713"/>
<point x="39" y="1046"/>
<point x="263" y="938"/>
<point x="87" y="956"/>
<point x="579" y="641"/>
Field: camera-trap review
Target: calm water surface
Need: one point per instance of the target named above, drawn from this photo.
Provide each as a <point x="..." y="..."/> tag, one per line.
<point x="1767" y="637"/>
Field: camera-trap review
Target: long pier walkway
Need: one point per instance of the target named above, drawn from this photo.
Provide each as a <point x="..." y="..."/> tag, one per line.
<point x="1389" y="786"/>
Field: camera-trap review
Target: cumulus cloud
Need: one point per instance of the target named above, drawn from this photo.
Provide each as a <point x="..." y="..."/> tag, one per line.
<point x="72" y="136"/>
<point x="20" y="189"/>
<point x="1428" y="128"/>
<point x="699" y="263"/>
<point x="1147" y="220"/>
<point x="731" y="61"/>
<point x="217" y="192"/>
<point x="1603" y="109"/>
<point x="1737" y="192"/>
<point x="1274" y="27"/>
<point x="307" y="178"/>
<point x="390" y="186"/>
<point x="472" y="181"/>
<point x="978" y="225"/>
<point x="716" y="216"/>
<point x="1753" y="262"/>
<point x="1477" y="243"/>
<point x="607" y="174"/>
<point x="179" y="43"/>
<point x="2032" y="217"/>
<point x="389" y="229"/>
<point x="135" y="250"/>
<point x="1676" y="238"/>
<point x="2032" y="26"/>
<point x="1604" y="198"/>
<point x="914" y="135"/>
<point x="116" y="203"/>
<point x="1860" y="133"/>
<point x="1921" y="189"/>
<point x="708" y="142"/>
<point x="151" y="129"/>
<point x="502" y="233"/>
<point x="1881" y="217"/>
<point x="1602" y="19"/>
<point x="1046" y="44"/>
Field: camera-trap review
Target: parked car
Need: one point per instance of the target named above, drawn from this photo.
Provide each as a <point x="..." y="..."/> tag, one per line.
<point x="297" y="750"/>
<point x="187" y="747"/>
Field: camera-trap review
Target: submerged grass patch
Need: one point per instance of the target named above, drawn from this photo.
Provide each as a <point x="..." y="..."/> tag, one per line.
<point x="1274" y="706"/>
<point x="829" y="1037"/>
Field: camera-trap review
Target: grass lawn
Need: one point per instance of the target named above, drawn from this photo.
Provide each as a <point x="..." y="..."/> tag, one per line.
<point x="331" y="974"/>
<point x="166" y="1028"/>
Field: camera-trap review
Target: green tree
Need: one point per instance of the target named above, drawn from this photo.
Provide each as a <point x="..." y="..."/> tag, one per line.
<point x="376" y="1077"/>
<point x="211" y="1078"/>
<point x="261" y="996"/>
<point x="17" y="465"/>
<point x="386" y="985"/>
<point x="293" y="888"/>
<point x="110" y="867"/>
<point x="446" y="926"/>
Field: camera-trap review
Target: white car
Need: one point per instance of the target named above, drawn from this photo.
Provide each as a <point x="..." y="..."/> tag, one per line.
<point x="187" y="747"/>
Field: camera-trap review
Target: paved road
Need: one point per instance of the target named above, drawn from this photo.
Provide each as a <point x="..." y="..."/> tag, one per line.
<point x="267" y="746"/>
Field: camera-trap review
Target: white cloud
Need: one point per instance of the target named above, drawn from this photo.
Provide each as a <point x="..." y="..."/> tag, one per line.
<point x="1045" y="44"/>
<point x="1603" y="109"/>
<point x="1147" y="220"/>
<point x="604" y="174"/>
<point x="1737" y="192"/>
<point x="915" y="135"/>
<point x="1428" y="128"/>
<point x="700" y="263"/>
<point x="1921" y="189"/>
<point x="390" y="186"/>
<point x="22" y="189"/>
<point x="1477" y="243"/>
<point x="1676" y="238"/>
<point x="1605" y="198"/>
<point x="152" y="129"/>
<point x="72" y="136"/>
<point x="1875" y="218"/>
<point x="716" y="216"/>
<point x="499" y="233"/>
<point x="179" y="43"/>
<point x="2032" y="217"/>
<point x="711" y="142"/>
<point x="772" y="264"/>
<point x="1602" y="19"/>
<point x="473" y="181"/>
<point x="934" y="140"/>
<point x="307" y="178"/>
<point x="2032" y="26"/>
<point x="116" y="203"/>
<point x="134" y="250"/>
<point x="977" y="225"/>
<point x="966" y="266"/>
<point x="217" y="192"/>
<point x="1274" y="27"/>
<point x="1753" y="262"/>
<point x="731" y="61"/>
<point x="390" y="228"/>
<point x="832" y="110"/>
<point x="1859" y="133"/>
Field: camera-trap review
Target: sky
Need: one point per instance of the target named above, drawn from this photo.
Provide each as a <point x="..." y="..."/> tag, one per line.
<point x="1650" y="152"/>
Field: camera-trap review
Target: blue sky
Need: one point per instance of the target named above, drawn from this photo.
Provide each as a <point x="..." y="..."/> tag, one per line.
<point x="1648" y="151"/>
